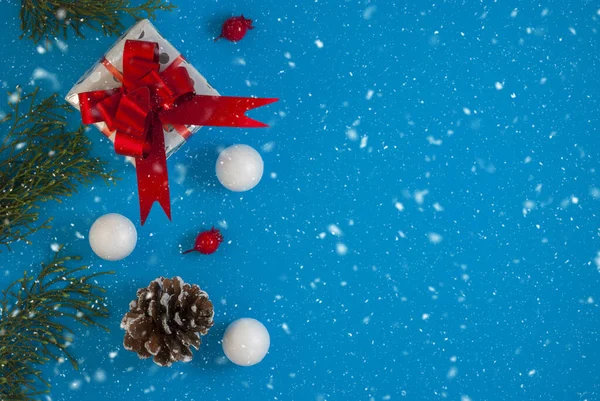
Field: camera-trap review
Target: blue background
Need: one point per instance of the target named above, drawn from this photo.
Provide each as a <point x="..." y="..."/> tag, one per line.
<point x="504" y="307"/>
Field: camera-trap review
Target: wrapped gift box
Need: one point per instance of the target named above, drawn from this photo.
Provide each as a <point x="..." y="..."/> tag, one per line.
<point x="103" y="76"/>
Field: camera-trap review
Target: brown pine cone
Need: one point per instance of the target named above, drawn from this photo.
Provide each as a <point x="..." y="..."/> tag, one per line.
<point x="166" y="319"/>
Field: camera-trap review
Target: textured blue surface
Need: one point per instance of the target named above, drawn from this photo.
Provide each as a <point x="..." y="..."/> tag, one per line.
<point x="454" y="145"/>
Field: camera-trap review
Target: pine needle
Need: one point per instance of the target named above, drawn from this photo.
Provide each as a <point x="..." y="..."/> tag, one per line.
<point x="32" y="329"/>
<point x="40" y="161"/>
<point x="48" y="19"/>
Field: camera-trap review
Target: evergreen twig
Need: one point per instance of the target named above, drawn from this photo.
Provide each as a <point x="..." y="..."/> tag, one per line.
<point x="47" y="19"/>
<point x="40" y="160"/>
<point x="32" y="329"/>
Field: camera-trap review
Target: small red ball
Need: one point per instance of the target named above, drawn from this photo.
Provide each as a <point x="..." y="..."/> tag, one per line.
<point x="235" y="28"/>
<point x="207" y="242"/>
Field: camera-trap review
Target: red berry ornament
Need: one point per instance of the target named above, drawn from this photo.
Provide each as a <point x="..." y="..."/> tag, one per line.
<point x="207" y="242"/>
<point x="235" y="28"/>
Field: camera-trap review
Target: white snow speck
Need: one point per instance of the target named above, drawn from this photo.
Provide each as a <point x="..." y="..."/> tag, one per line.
<point x="285" y="328"/>
<point x="420" y="196"/>
<point x="42" y="74"/>
<point x="268" y="147"/>
<point x="14" y="97"/>
<point x="181" y="171"/>
<point x="499" y="86"/>
<point x="55" y="247"/>
<point x="452" y="372"/>
<point x="467" y="111"/>
<point x="531" y="372"/>
<point x="434" y="238"/>
<point x="369" y="11"/>
<point x="100" y="376"/>
<point x="334" y="230"/>
<point x="370" y="94"/>
<point x="399" y="206"/>
<point x="352" y="134"/>
<point x="513" y="95"/>
<point x="319" y="43"/>
<point x="433" y="141"/>
<point x="425" y="316"/>
<point x="62" y="46"/>
<point x="341" y="249"/>
<point x="61" y="14"/>
<point x="363" y="141"/>
<point x="572" y="30"/>
<point x="528" y="206"/>
<point x="113" y="354"/>
<point x="514" y="13"/>
<point x="75" y="385"/>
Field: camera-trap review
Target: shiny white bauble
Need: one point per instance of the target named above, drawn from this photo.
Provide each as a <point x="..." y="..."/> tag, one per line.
<point x="246" y="342"/>
<point x="113" y="237"/>
<point x="239" y="168"/>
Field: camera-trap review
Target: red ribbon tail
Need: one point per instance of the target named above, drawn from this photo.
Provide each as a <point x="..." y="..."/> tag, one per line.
<point x="152" y="176"/>
<point x="216" y="111"/>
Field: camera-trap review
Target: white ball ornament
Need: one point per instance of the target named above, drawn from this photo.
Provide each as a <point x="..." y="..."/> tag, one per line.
<point x="113" y="237"/>
<point x="239" y="168"/>
<point x="246" y="342"/>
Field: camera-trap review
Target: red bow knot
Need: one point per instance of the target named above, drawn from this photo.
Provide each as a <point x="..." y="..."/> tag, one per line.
<point x="149" y="99"/>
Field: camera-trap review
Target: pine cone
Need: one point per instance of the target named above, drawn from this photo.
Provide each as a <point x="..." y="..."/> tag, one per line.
<point x="166" y="318"/>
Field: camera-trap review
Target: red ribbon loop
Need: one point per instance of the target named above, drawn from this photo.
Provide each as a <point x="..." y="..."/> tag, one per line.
<point x="149" y="99"/>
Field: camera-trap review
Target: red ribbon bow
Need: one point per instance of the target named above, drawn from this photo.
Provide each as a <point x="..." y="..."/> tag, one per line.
<point x="146" y="101"/>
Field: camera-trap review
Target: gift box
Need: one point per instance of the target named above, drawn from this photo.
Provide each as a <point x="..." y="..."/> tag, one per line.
<point x="148" y="100"/>
<point x="104" y="75"/>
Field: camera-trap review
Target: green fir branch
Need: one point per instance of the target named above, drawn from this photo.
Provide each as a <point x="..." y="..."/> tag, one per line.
<point x="47" y="19"/>
<point x="40" y="160"/>
<point x="33" y="312"/>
